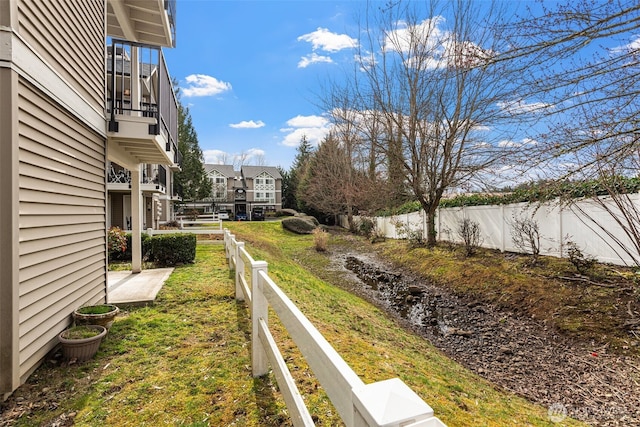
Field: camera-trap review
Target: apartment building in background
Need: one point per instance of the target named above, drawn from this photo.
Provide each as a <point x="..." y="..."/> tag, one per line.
<point x="239" y="192"/>
<point x="65" y="120"/>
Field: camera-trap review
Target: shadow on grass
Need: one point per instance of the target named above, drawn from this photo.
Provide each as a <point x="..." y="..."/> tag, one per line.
<point x="264" y="389"/>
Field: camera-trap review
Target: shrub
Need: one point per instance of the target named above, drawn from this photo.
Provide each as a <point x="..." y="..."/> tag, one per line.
<point x="192" y="215"/>
<point x="300" y="224"/>
<point x="583" y="263"/>
<point x="413" y="235"/>
<point x="173" y="249"/>
<point x="116" y="242"/>
<point x="525" y="234"/>
<point x="366" y="227"/>
<point x="126" y="255"/>
<point x="170" y="225"/>
<point x="320" y="239"/>
<point x="469" y="231"/>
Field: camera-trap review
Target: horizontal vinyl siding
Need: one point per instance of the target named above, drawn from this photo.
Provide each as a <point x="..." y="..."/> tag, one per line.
<point x="70" y="36"/>
<point x="62" y="213"/>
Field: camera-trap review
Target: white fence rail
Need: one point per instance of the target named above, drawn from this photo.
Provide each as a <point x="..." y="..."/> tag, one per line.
<point x="582" y="224"/>
<point x="195" y="227"/>
<point x="386" y="403"/>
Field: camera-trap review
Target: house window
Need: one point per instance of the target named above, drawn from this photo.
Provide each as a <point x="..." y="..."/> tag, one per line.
<point x="265" y="188"/>
<point x="218" y="186"/>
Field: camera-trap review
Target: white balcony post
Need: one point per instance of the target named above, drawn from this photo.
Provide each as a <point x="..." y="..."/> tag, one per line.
<point x="136" y="222"/>
<point x="259" y="310"/>
<point x="239" y="271"/>
<point x="135" y="79"/>
<point x="391" y="403"/>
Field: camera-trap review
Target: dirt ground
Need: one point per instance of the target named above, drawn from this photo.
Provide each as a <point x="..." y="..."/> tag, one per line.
<point x="517" y="353"/>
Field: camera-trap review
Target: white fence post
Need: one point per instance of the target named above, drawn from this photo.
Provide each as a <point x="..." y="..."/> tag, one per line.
<point x="259" y="311"/>
<point x="239" y="270"/>
<point x="231" y="251"/>
<point x="391" y="403"/>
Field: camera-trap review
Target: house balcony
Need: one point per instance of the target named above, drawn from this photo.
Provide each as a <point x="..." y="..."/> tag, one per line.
<point x="150" y="22"/>
<point x="153" y="179"/>
<point x="176" y="192"/>
<point x="143" y="111"/>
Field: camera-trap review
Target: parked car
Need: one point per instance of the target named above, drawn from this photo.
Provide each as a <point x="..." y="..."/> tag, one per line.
<point x="257" y="214"/>
<point x="241" y="216"/>
<point x="223" y="215"/>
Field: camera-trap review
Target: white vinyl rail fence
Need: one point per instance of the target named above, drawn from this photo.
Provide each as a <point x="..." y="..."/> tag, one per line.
<point x="199" y="226"/>
<point x="386" y="403"/>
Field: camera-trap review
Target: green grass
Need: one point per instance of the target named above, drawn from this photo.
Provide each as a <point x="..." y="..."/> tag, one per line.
<point x="185" y="361"/>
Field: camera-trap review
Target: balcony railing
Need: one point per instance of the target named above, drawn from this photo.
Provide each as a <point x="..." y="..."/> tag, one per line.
<point x="151" y="174"/>
<point x="150" y="94"/>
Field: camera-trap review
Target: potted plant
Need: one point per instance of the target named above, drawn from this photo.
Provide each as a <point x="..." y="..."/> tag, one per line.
<point x="101" y="314"/>
<point x="81" y="342"/>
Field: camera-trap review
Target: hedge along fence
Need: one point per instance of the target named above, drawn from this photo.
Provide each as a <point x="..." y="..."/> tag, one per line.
<point x="581" y="223"/>
<point x="386" y="403"/>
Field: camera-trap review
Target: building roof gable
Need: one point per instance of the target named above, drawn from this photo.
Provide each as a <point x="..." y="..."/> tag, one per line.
<point x="250" y="172"/>
<point x="226" y="170"/>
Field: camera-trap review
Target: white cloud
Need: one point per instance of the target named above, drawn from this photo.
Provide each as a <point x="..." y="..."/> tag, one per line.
<point x="250" y="124"/>
<point x="215" y="157"/>
<point x="366" y="60"/>
<point x="324" y="39"/>
<point x="313" y="58"/>
<point x="632" y="46"/>
<point x="519" y="106"/>
<point x="400" y="39"/>
<point x="313" y="128"/>
<point x="203" y="85"/>
<point x="307" y="121"/>
<point x="438" y="49"/>
<point x="250" y="154"/>
<point x="522" y="143"/>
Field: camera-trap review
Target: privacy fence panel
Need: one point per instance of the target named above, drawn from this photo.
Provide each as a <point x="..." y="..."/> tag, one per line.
<point x="596" y="227"/>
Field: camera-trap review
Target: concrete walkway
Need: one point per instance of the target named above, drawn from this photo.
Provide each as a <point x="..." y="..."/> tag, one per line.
<point x="124" y="287"/>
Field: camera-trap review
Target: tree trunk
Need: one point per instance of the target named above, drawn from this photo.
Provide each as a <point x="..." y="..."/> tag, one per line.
<point x="350" y="219"/>
<point x="431" y="227"/>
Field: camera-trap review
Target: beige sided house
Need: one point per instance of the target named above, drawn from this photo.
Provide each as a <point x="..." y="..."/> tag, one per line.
<point x="60" y="125"/>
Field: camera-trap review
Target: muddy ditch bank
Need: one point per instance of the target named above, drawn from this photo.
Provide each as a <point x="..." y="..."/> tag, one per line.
<point x="517" y="354"/>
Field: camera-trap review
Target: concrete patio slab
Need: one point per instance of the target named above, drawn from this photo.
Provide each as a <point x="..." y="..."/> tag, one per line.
<point x="126" y="288"/>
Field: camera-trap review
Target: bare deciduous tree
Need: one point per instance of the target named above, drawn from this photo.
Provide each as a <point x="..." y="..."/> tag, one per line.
<point x="427" y="91"/>
<point x="583" y="59"/>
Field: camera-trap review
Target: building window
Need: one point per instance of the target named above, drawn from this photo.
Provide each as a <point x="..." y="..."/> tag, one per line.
<point x="265" y="188"/>
<point x="218" y="186"/>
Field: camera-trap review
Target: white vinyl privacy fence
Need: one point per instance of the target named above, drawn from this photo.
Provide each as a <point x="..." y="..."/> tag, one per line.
<point x="594" y="230"/>
<point x="386" y="403"/>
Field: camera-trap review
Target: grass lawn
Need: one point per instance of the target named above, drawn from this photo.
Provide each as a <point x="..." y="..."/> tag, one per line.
<point x="185" y="361"/>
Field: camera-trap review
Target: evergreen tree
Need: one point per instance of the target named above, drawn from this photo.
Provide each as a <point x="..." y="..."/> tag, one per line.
<point x="288" y="197"/>
<point x="192" y="178"/>
<point x="297" y="173"/>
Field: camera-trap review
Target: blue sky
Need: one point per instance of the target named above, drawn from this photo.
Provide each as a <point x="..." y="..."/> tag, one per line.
<point x="251" y="71"/>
